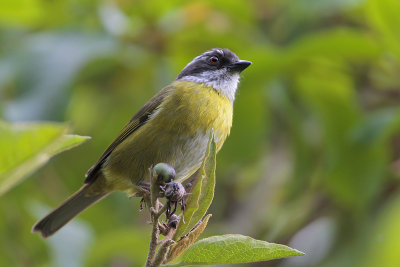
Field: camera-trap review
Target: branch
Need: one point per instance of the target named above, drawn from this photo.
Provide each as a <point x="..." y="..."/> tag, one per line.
<point x="162" y="252"/>
<point x="179" y="264"/>
<point x="155" y="258"/>
<point x="155" y="234"/>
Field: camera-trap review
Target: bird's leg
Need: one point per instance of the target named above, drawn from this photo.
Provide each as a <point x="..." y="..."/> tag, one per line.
<point x="183" y="205"/>
<point x="143" y="189"/>
<point x="176" y="204"/>
<point x="142" y="203"/>
<point x="168" y="212"/>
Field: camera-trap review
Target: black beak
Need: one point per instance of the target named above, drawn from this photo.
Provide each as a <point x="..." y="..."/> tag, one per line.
<point x="239" y="66"/>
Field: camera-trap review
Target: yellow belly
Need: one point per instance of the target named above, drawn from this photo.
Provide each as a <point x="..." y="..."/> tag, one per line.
<point x="177" y="134"/>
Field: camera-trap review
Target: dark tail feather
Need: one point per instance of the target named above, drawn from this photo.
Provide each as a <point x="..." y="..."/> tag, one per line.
<point x="71" y="207"/>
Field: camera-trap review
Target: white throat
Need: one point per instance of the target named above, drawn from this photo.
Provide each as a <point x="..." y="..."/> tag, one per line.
<point x="220" y="80"/>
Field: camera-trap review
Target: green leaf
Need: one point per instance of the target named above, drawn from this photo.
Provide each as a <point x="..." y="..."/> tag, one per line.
<point x="386" y="227"/>
<point x="378" y="127"/>
<point x="383" y="16"/>
<point x="25" y="147"/>
<point x="11" y="12"/>
<point x="228" y="249"/>
<point x="207" y="184"/>
<point x="202" y="193"/>
<point x="192" y="204"/>
<point x="338" y="44"/>
<point x="186" y="241"/>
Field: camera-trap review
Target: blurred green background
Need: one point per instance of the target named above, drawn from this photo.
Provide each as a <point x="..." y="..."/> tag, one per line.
<point x="313" y="158"/>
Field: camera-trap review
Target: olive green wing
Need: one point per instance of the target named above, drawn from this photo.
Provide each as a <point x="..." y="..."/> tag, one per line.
<point x="137" y="121"/>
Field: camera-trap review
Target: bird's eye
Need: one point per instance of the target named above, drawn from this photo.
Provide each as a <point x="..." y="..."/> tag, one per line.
<point x="213" y="60"/>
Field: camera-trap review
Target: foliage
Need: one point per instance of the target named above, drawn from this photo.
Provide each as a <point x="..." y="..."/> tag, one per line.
<point x="27" y="147"/>
<point x="224" y="249"/>
<point x="203" y="192"/>
<point x="234" y="249"/>
<point x="313" y="156"/>
<point x="187" y="240"/>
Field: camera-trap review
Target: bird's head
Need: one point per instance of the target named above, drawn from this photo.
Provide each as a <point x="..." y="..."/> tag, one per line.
<point x="218" y="68"/>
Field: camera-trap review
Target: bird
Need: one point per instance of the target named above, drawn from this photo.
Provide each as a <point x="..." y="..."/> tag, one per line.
<point x="173" y="127"/>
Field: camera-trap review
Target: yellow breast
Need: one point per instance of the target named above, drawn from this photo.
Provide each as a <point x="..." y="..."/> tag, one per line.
<point x="201" y="108"/>
<point x="177" y="133"/>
